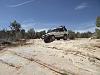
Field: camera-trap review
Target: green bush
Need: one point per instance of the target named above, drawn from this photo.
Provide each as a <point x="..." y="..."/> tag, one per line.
<point x="98" y="26"/>
<point x="71" y="35"/>
<point x="98" y="21"/>
<point x="98" y="33"/>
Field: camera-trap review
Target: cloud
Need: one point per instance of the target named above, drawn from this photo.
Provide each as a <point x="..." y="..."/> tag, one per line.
<point x="38" y="26"/>
<point x="38" y="30"/>
<point x="17" y="5"/>
<point x="91" y="29"/>
<point x="85" y="27"/>
<point x="98" y="28"/>
<point x="28" y="26"/>
<point x="28" y="21"/>
<point x="81" y="6"/>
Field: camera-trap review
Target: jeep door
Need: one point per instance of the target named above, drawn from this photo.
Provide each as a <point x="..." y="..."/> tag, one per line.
<point x="61" y="32"/>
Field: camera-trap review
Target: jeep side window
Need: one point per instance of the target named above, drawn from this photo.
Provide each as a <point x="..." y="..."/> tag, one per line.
<point x="61" y="29"/>
<point x="55" y="30"/>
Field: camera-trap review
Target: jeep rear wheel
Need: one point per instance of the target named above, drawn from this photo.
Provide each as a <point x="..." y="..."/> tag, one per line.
<point x="52" y="38"/>
<point x="65" y="37"/>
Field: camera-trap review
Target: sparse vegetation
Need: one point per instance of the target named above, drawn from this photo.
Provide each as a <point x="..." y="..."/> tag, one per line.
<point x="16" y="33"/>
<point x="98" y="21"/>
<point x="98" y="28"/>
<point x="31" y="33"/>
<point x="71" y="34"/>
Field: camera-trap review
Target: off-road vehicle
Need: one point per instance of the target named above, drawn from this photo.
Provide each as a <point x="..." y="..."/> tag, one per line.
<point x="57" y="33"/>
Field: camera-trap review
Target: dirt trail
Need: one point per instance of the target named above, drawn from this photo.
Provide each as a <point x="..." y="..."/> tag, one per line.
<point x="74" y="57"/>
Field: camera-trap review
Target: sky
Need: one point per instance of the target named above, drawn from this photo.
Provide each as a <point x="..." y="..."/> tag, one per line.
<point x="77" y="15"/>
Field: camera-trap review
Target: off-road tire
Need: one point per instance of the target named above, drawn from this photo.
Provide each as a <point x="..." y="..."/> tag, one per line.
<point x="46" y="39"/>
<point x="65" y="37"/>
<point x="52" y="38"/>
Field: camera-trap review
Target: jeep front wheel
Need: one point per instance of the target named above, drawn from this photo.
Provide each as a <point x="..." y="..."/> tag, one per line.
<point x="52" y="38"/>
<point x="46" y="39"/>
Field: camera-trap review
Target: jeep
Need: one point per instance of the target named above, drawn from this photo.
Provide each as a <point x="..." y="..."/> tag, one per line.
<point x="57" y="33"/>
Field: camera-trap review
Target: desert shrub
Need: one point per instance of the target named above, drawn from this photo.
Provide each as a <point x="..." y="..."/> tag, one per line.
<point x="39" y="34"/>
<point x="71" y="34"/>
<point x="31" y="33"/>
<point x="98" y="27"/>
<point x="97" y="33"/>
<point x="98" y="21"/>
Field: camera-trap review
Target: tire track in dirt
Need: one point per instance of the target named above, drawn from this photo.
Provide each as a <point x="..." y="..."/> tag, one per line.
<point x="48" y="66"/>
<point x="10" y="64"/>
<point x="91" y="58"/>
<point x="75" y="52"/>
<point x="12" y="60"/>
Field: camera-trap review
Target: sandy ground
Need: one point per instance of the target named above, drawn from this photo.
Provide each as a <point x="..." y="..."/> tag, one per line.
<point x="71" y="57"/>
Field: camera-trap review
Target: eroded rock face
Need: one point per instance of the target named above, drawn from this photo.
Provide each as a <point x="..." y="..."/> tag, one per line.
<point x="73" y="57"/>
